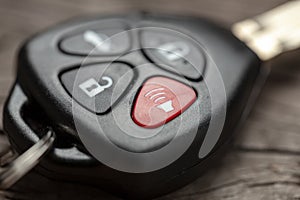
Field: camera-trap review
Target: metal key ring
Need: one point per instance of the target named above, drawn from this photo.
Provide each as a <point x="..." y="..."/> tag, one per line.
<point x="15" y="170"/>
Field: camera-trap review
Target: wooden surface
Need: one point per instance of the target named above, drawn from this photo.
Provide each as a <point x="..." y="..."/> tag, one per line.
<point x="265" y="162"/>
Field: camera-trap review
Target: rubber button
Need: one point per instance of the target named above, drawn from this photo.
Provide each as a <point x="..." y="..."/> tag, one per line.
<point x="174" y="52"/>
<point x="160" y="100"/>
<point x="97" y="87"/>
<point x="97" y="42"/>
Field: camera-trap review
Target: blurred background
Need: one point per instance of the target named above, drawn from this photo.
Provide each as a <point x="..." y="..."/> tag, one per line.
<point x="265" y="162"/>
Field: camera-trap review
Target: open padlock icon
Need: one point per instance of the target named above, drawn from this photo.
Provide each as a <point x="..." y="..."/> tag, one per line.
<point x="92" y="88"/>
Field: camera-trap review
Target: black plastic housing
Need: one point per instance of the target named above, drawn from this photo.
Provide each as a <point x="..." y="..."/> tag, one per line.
<point x="38" y="100"/>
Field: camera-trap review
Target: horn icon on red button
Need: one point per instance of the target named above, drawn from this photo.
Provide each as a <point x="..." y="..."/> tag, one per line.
<point x="160" y="100"/>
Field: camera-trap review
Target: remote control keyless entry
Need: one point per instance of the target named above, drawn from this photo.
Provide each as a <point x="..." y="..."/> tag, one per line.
<point x="141" y="104"/>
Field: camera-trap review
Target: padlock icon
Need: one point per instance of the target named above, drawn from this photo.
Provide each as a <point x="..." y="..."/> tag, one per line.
<point x="92" y="88"/>
<point x="174" y="51"/>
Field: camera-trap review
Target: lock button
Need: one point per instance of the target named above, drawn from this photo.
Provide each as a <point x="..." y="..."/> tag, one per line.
<point x="97" y="87"/>
<point x="174" y="52"/>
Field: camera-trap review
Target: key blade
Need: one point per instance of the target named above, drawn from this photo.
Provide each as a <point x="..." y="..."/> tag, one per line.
<point x="10" y="174"/>
<point x="273" y="32"/>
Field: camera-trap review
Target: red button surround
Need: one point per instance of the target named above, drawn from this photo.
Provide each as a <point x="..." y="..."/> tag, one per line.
<point x="160" y="100"/>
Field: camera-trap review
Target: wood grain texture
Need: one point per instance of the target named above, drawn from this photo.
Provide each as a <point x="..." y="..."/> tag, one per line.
<point x="265" y="161"/>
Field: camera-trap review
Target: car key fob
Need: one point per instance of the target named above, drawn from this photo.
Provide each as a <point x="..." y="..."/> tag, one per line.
<point x="142" y="104"/>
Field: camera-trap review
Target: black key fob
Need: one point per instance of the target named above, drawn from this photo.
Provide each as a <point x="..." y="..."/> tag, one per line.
<point x="141" y="104"/>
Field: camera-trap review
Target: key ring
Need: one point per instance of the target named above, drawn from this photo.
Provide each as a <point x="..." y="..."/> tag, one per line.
<point x="12" y="172"/>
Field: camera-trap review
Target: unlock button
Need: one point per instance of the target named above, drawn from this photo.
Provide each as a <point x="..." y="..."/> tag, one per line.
<point x="97" y="87"/>
<point x="92" y="88"/>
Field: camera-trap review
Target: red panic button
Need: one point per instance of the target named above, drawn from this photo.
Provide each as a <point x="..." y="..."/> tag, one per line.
<point x="160" y="100"/>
